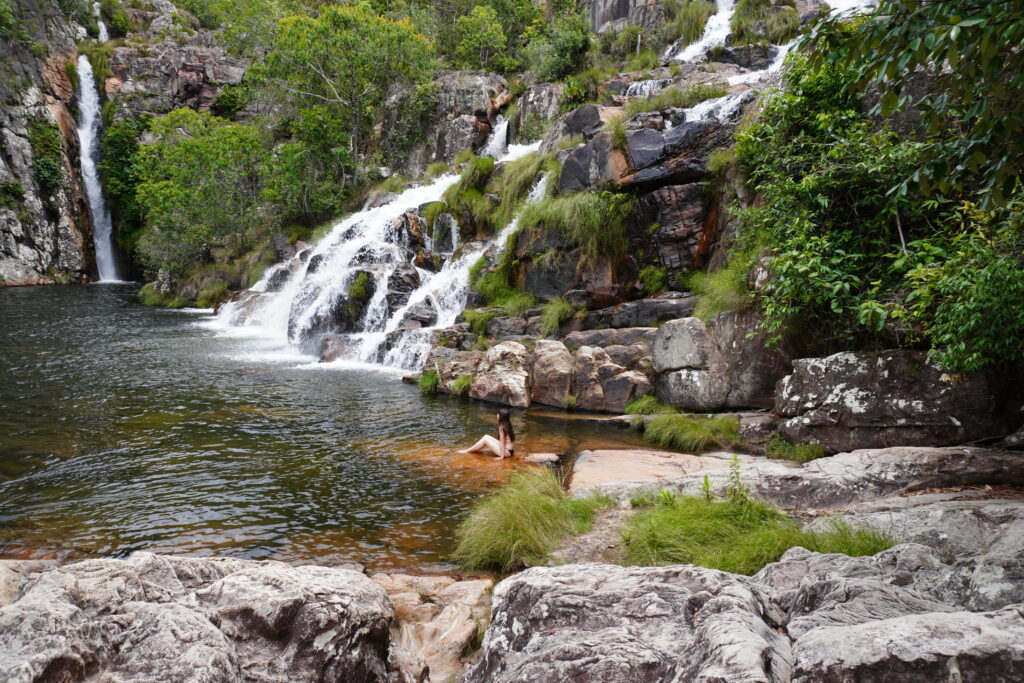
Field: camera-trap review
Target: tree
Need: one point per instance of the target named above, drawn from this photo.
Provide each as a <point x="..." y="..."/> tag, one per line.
<point x="346" y="59"/>
<point x="972" y="49"/>
<point x="483" y="43"/>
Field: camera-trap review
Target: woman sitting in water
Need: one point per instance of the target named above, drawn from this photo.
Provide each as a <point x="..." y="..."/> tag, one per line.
<point x="502" y="447"/>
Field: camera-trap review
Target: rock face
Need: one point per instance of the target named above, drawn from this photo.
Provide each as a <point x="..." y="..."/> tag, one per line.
<point x="594" y="622"/>
<point x="552" y="373"/>
<point x="615" y="15"/>
<point x="44" y="231"/>
<point x="890" y="398"/>
<point x="503" y="376"/>
<point x="162" y="618"/>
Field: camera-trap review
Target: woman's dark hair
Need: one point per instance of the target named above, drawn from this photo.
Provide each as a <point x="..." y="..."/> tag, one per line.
<point x="505" y="420"/>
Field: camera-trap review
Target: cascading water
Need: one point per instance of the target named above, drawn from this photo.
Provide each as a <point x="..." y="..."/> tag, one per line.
<point x="498" y="143"/>
<point x="297" y="302"/>
<point x="715" y="33"/>
<point x="89" y="141"/>
<point x="102" y="35"/>
<point x="648" y="88"/>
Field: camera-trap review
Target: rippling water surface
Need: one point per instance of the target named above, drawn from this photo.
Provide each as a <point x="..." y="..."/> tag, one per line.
<point x="126" y="428"/>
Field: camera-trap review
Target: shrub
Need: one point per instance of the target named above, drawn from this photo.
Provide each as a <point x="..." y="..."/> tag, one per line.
<point x="721" y="290"/>
<point x="556" y="55"/>
<point x="47" y="165"/>
<point x="521" y="523"/>
<point x="780" y="448"/>
<point x="595" y="221"/>
<point x="721" y="159"/>
<point x="739" y="537"/>
<point x="461" y="385"/>
<point x="654" y="279"/>
<point x="692" y="434"/>
<point x="436" y="170"/>
<point x="428" y="382"/>
<point x="555" y="312"/>
<point x="649" y="405"/>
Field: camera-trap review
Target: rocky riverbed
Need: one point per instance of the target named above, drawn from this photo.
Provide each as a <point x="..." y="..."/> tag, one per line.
<point x="946" y="604"/>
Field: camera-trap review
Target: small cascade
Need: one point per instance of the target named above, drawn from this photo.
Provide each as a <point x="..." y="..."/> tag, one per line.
<point x="498" y="142"/>
<point x="716" y="31"/>
<point x="89" y="141"/>
<point x="648" y="88"/>
<point x="298" y="302"/>
<point x="103" y="35"/>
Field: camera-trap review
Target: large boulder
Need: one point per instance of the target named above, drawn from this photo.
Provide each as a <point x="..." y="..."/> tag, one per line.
<point x="451" y="364"/>
<point x="156" y="618"/>
<point x="552" y="373"/>
<point x="503" y="376"/>
<point x="686" y="149"/>
<point x="888" y="398"/>
<point x="593" y="622"/>
<point x="538" y="103"/>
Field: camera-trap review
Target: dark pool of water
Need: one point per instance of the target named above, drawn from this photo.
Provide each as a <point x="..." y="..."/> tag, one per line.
<point x="126" y="428"/>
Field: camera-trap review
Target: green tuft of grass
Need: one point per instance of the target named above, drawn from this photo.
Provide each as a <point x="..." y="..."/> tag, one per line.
<point x="516" y="303"/>
<point x="461" y="385"/>
<point x="692" y="434"/>
<point x="686" y="19"/>
<point x="649" y="405"/>
<point x="464" y="156"/>
<point x="721" y="159"/>
<point x="555" y="312"/>
<point x="734" y="536"/>
<point x="645" y="60"/>
<point x="779" y="24"/>
<point x="571" y="141"/>
<point x="514" y="183"/>
<point x="428" y="382"/>
<point x="431" y="211"/>
<point x="673" y="98"/>
<point x="779" y="448"/>
<point x="570" y="401"/>
<point x="595" y="221"/>
<point x="212" y="294"/>
<point x="436" y="170"/>
<point x="616" y="126"/>
<point x="148" y="296"/>
<point x="722" y="290"/>
<point x="522" y="522"/>
<point x="654" y="279"/>
<point x="478" y="320"/>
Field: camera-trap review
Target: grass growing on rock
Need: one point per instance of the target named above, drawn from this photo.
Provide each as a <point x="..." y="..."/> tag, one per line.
<point x="461" y="385"/>
<point x="738" y="536"/>
<point x="428" y="382"/>
<point x="779" y="448"/>
<point x="595" y="221"/>
<point x="674" y="97"/>
<point x="478" y="320"/>
<point x="555" y="312"/>
<point x="148" y="296"/>
<point x="759" y="21"/>
<point x="524" y="521"/>
<point x="686" y="20"/>
<point x="649" y="405"/>
<point x="722" y="290"/>
<point x="692" y="434"/>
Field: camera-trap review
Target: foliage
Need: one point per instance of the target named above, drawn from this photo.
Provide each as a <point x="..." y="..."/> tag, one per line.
<point x="685" y="20"/>
<point x="514" y="183"/>
<point x="734" y="536"/>
<point x="557" y="54"/>
<point x="478" y="320"/>
<point x="780" y="448"/>
<point x="461" y="385"/>
<point x="654" y="279"/>
<point x="149" y="296"/>
<point x="47" y="163"/>
<point x="643" y="61"/>
<point x="98" y="55"/>
<point x="212" y="294"/>
<point x="595" y="221"/>
<point x="555" y="312"/>
<point x="721" y="159"/>
<point x="436" y="170"/>
<point x="199" y="182"/>
<point x="247" y="28"/>
<point x="533" y="127"/>
<point x="649" y="405"/>
<point x="465" y="198"/>
<point x="360" y="291"/>
<point x="692" y="434"/>
<point x="119" y="174"/>
<point x="721" y="290"/>
<point x="346" y="59"/>
<point x="230" y="100"/>
<point x="483" y="40"/>
<point x="760" y="21"/>
<point x="428" y="382"/>
<point x="673" y="97"/>
<point x="971" y="108"/>
<point x="520" y="524"/>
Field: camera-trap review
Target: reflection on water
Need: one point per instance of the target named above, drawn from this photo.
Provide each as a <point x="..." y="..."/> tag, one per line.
<point x="125" y="428"/>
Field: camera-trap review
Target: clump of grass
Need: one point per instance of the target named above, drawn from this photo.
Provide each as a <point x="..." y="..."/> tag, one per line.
<point x="782" y="23"/>
<point x="616" y="126"/>
<point x="654" y="279"/>
<point x="148" y="296"/>
<point x="464" y="156"/>
<point x="686" y="19"/>
<point x="595" y="221"/>
<point x="555" y="312"/>
<point x="514" y="182"/>
<point x="673" y="98"/>
<point x="467" y="196"/>
<point x="436" y="170"/>
<point x="516" y="303"/>
<point x="645" y="60"/>
<point x="721" y="159"/>
<point x="461" y="385"/>
<point x="649" y="405"/>
<point x="722" y="290"/>
<point x="570" y="141"/>
<point x="524" y="521"/>
<point x="478" y="320"/>
<point x="738" y="536"/>
<point x="692" y="434"/>
<point x="431" y="212"/>
<point x="428" y="382"/>
<point x="570" y="401"/>
<point x="779" y="448"/>
<point x="212" y="294"/>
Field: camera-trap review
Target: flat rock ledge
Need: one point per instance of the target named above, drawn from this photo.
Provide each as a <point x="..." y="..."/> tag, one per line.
<point x="163" y="618"/>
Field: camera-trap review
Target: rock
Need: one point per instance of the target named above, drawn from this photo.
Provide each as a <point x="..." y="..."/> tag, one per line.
<point x="14" y="573"/>
<point x="596" y="468"/>
<point x="283" y="249"/>
<point x="503" y="376"/>
<point x="338" y="346"/>
<point x="157" y="618"/>
<point x="615" y="15"/>
<point x="962" y="646"/>
<point x="462" y="132"/>
<point x="468" y="92"/>
<point x="420" y="315"/>
<point x="541" y="458"/>
<point x="752" y="366"/>
<point x="614" y="337"/>
<point x="624" y="388"/>
<point x="686" y="227"/>
<point x="644" y="147"/>
<point x="586" y="120"/>
<point x="641" y="313"/>
<point x="588" y="362"/>
<point x="402" y="282"/>
<point x="888" y="398"/>
<point x="451" y="365"/>
<point x="754" y="56"/>
<point x="592" y="622"/>
<point x="687" y="148"/>
<point x="506" y="326"/>
<point x="541" y="102"/>
<point x="552" y="373"/>
<point x="685" y="344"/>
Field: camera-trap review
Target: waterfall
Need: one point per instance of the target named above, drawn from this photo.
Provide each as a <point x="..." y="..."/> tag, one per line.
<point x="103" y="36"/>
<point x="498" y="142"/>
<point x="715" y="33"/>
<point x="648" y="88"/>
<point x="89" y="141"/>
<point x="296" y="303"/>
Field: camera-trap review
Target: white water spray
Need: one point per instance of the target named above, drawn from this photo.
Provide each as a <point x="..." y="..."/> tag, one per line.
<point x="715" y="32"/>
<point x="103" y="36"/>
<point x="89" y="141"/>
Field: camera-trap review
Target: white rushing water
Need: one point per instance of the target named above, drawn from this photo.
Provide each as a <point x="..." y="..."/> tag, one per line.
<point x="102" y="35"/>
<point x="715" y="33"/>
<point x="89" y="141"/>
<point x="311" y="287"/>
<point x="498" y="142"/>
